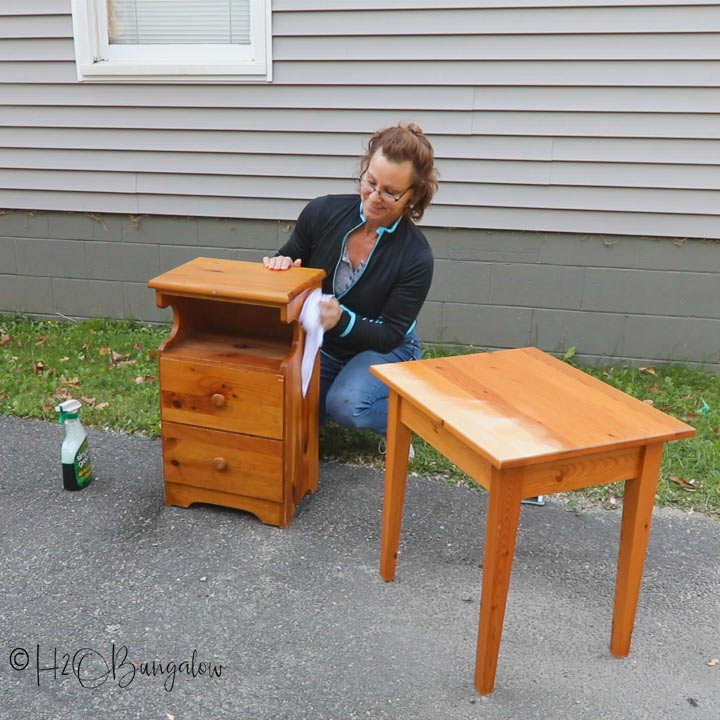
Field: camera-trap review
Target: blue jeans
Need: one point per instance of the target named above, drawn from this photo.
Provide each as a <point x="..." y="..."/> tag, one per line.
<point x="353" y="397"/>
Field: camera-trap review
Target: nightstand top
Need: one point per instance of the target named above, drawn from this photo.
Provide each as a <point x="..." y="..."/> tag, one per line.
<point x="236" y="280"/>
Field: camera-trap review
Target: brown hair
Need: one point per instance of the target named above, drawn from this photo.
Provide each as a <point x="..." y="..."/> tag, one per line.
<point x="402" y="143"/>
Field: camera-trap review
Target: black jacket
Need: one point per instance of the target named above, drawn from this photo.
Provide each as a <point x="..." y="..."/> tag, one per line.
<point x="382" y="306"/>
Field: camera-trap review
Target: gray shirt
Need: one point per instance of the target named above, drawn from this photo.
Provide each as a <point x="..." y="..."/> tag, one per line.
<point x="346" y="275"/>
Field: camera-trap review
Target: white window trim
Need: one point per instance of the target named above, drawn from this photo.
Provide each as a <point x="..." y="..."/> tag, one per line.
<point x="97" y="61"/>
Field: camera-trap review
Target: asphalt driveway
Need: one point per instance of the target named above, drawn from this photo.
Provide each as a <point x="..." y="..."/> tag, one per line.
<point x="113" y="605"/>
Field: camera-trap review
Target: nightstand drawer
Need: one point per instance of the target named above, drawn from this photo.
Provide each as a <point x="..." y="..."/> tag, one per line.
<point x="221" y="397"/>
<point x="227" y="462"/>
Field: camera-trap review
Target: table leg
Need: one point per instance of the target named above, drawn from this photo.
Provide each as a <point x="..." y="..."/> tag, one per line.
<point x="396" y="462"/>
<point x="502" y="523"/>
<point x="638" y="503"/>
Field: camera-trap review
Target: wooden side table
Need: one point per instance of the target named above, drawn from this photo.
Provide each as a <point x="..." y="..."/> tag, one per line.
<point x="236" y="430"/>
<point x="522" y="423"/>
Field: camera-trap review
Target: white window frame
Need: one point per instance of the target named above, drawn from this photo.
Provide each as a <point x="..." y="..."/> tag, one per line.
<point x="98" y="61"/>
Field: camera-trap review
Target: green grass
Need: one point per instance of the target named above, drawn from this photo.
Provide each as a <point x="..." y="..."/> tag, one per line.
<point x="694" y="397"/>
<point x="112" y="365"/>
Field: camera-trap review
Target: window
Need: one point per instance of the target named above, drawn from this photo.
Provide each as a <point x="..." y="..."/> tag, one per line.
<point x="172" y="40"/>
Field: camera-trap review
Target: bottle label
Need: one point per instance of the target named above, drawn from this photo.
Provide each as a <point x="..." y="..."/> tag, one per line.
<point x="83" y="468"/>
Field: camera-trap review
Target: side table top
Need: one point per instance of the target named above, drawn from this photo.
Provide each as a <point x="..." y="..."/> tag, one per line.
<point x="523" y="406"/>
<point x="236" y="280"/>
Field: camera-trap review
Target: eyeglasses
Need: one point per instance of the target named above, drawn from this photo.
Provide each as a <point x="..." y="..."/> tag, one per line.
<point x="384" y="194"/>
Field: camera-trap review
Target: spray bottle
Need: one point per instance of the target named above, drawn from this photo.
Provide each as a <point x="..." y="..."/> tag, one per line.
<point x="75" y="455"/>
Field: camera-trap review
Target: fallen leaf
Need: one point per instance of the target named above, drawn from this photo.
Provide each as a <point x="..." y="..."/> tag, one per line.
<point x="42" y="340"/>
<point x="4" y="396"/>
<point x="693" y="701"/>
<point x="124" y="362"/>
<point x="104" y="350"/>
<point x="683" y="483"/>
<point x="143" y="378"/>
<point x="648" y="402"/>
<point x="714" y="662"/>
<point x="62" y="393"/>
<point x="152" y="354"/>
<point x="64" y="359"/>
<point x="102" y="406"/>
<point x="5" y="339"/>
<point x="654" y="389"/>
<point x="86" y="346"/>
<point x="69" y="381"/>
<point x="39" y="368"/>
<point x="48" y="407"/>
<point x="647" y="370"/>
<point x="692" y="416"/>
<point x="116" y="356"/>
<point x="88" y="401"/>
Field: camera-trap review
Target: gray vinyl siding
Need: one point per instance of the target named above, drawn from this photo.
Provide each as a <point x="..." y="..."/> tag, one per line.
<point x="578" y="145"/>
<point x="599" y="117"/>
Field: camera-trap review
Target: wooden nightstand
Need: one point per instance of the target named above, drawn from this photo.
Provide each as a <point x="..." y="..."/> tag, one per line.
<point x="236" y="430"/>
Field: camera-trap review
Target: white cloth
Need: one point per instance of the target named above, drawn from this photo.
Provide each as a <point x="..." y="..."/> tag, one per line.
<point x="310" y="320"/>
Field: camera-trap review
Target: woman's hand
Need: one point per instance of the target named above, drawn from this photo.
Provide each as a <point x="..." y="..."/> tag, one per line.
<point x="330" y="313"/>
<point x="280" y="262"/>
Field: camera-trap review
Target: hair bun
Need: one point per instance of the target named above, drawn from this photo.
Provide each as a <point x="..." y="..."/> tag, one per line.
<point x="415" y="129"/>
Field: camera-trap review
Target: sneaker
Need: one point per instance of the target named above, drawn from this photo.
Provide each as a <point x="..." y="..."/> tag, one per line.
<point x="382" y="449"/>
<point x="536" y="500"/>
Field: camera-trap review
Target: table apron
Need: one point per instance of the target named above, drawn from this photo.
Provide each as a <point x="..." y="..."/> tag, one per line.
<point x="575" y="473"/>
<point x="437" y="435"/>
<point x="557" y="475"/>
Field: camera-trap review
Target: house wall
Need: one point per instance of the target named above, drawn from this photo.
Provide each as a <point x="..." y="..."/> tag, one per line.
<point x="611" y="297"/>
<point x="572" y="131"/>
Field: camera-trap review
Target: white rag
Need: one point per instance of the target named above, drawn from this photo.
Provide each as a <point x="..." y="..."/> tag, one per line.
<point x="310" y="320"/>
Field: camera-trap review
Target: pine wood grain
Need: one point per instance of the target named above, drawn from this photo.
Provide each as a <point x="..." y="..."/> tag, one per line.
<point x="522" y="423"/>
<point x="180" y="495"/>
<point x="236" y="428"/>
<point x="252" y="352"/>
<point x="250" y="466"/>
<point x="638" y="502"/>
<point x="398" y="445"/>
<point x="500" y="532"/>
<point x="253" y="400"/>
<point x="236" y="280"/>
<point x="515" y="407"/>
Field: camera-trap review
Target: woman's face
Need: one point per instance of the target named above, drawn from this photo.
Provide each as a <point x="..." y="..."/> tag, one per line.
<point x="382" y="182"/>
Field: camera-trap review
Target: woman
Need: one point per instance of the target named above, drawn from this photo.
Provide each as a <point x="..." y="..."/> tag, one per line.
<point x="379" y="269"/>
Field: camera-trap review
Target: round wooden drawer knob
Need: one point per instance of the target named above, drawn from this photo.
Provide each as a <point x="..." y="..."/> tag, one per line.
<point x="218" y="400"/>
<point x="220" y="464"/>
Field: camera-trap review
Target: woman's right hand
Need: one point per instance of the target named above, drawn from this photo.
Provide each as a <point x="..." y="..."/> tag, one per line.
<point x="280" y="262"/>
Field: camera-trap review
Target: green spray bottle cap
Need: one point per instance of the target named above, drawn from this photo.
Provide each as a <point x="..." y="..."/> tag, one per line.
<point x="68" y="409"/>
